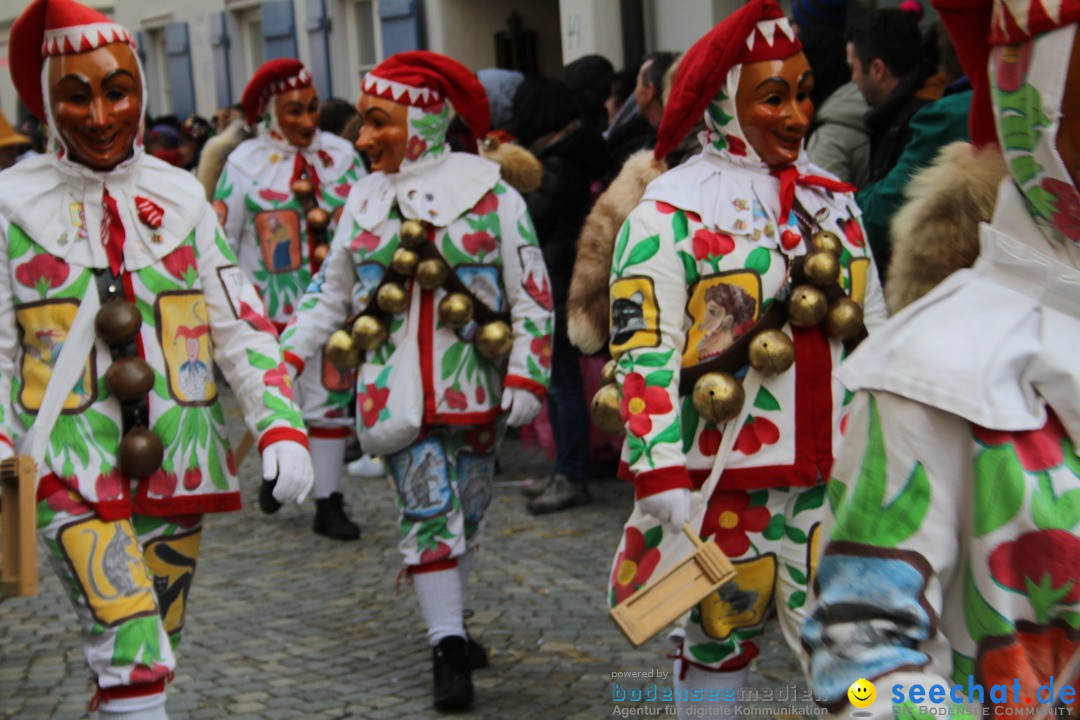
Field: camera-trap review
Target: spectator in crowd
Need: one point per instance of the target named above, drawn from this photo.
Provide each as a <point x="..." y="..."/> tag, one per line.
<point x="550" y="123"/>
<point x="277" y="198"/>
<point x="590" y="78"/>
<point x="500" y="86"/>
<point x="38" y="133"/>
<point x="226" y="116"/>
<point x="838" y="140"/>
<point x="163" y="142"/>
<point x="194" y="132"/>
<point x="933" y="126"/>
<point x="339" y="117"/>
<point x="639" y="131"/>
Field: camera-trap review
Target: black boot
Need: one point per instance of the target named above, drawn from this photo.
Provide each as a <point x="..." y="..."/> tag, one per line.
<point x="453" y="676"/>
<point x="478" y="654"/>
<point x="331" y="520"/>
<point x="267" y="502"/>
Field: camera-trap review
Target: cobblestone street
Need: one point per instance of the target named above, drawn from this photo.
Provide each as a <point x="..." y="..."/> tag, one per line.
<point x="286" y="624"/>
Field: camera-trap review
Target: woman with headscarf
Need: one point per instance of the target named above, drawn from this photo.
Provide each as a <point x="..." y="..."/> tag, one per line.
<point x="436" y="269"/>
<point x="743" y="461"/>
<point x="953" y="546"/>
<point x="108" y="253"/>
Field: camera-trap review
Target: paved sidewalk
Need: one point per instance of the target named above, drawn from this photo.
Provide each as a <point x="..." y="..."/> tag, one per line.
<point x="286" y="624"/>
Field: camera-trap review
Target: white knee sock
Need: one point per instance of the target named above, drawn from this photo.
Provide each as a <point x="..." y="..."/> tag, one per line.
<point x="711" y="684"/>
<point x="439" y="594"/>
<point x="146" y="707"/>
<point x="327" y="455"/>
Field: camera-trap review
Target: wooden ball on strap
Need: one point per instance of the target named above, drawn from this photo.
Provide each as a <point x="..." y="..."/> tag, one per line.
<point x="771" y="352"/>
<point x="718" y="397"/>
<point x="141" y="452"/>
<point x="129" y="377"/>
<point x="303" y="188"/>
<point x="807" y="306"/>
<point x="318" y="219"/>
<point x="605" y="409"/>
<point x="117" y="322"/>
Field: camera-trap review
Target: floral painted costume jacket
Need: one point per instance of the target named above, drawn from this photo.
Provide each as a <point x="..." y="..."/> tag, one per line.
<point x="263" y="218"/>
<point x="197" y="308"/>
<point x="695" y="265"/>
<point x="489" y="242"/>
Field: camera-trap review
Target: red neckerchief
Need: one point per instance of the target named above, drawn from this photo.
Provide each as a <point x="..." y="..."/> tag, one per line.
<point x="112" y="233"/>
<point x="302" y="168"/>
<point x="789" y="177"/>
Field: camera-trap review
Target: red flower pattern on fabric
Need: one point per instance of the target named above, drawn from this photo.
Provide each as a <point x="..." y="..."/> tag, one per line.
<point x="109" y="486"/>
<point x="481" y="394"/>
<point x="365" y="240"/>
<point x="257" y="320"/>
<point x="162" y="483"/>
<point x="279" y="377"/>
<point x="478" y="242"/>
<point x="711" y="244"/>
<point x="487" y="204"/>
<point x="456" y="400"/>
<point x="665" y="209"/>
<point x="192" y="478"/>
<point x="1029" y="657"/>
<point x="729" y="518"/>
<point x="273" y="195"/>
<point x="634" y="565"/>
<point x="709" y="441"/>
<point x="736" y="146"/>
<point x="541" y="348"/>
<point x="415" y="148"/>
<point x="1044" y="565"/>
<point x="43" y="272"/>
<point x="179" y="261"/>
<point x="1066" y="217"/>
<point x="67" y="501"/>
<point x="441" y="551"/>
<point x="371" y="402"/>
<point x="1036" y="449"/>
<point x="853" y="232"/>
<point x="342" y="190"/>
<point x="756" y="432"/>
<point x="481" y="438"/>
<point x="640" y="402"/>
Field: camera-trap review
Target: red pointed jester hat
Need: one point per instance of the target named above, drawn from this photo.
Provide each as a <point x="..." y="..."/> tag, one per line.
<point x="49" y="28"/>
<point x="756" y="31"/>
<point x="422" y="79"/>
<point x="273" y="77"/>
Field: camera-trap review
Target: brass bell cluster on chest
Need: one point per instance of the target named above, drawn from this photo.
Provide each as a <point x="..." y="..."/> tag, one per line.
<point x="808" y="305"/>
<point x="129" y="379"/>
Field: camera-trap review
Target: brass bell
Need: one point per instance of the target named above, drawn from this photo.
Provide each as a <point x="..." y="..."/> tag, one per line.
<point x="303" y="188"/>
<point x="404" y="261"/>
<point x="318" y="255"/>
<point x="605" y="409"/>
<point x="826" y="241"/>
<point x="392" y="298"/>
<point x="718" y="397"/>
<point x="844" y="319"/>
<point x="412" y="233"/>
<point x="141" y="452"/>
<point x="807" y="306"/>
<point x="318" y="219"/>
<point x="821" y="268"/>
<point x="129" y="378"/>
<point x="431" y="273"/>
<point x="342" y="351"/>
<point x="117" y="322"/>
<point x="368" y="332"/>
<point x="771" y="352"/>
<point x="494" y="339"/>
<point x="607" y="373"/>
<point x="455" y="310"/>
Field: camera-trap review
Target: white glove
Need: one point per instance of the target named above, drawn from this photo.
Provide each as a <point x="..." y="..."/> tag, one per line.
<point x="522" y="405"/>
<point x="289" y="463"/>
<point x="671" y="507"/>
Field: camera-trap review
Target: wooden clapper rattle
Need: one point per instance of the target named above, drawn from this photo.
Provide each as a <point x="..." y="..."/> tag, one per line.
<point x="667" y="597"/>
<point x="18" y="564"/>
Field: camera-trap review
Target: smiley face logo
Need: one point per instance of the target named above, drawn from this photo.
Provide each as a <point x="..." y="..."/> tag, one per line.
<point x="862" y="693"/>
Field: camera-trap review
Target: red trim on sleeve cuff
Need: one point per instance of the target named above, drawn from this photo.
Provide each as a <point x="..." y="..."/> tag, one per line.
<point x="279" y="434"/>
<point x="433" y="567"/>
<point x="516" y="381"/>
<point x="294" y="360"/>
<point x="329" y="433"/>
<point x="654" y="482"/>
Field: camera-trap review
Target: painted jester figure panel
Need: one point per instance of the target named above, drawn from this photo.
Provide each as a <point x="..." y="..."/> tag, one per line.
<point x="952" y="547"/>
<point x="436" y="272"/>
<point x="119" y="296"/>
<point x="709" y="259"/>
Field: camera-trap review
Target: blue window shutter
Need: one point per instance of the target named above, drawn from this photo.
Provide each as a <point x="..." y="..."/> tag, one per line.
<point x="320" y="46"/>
<point x="279" y="29"/>
<point x="140" y="43"/>
<point x="401" y="26"/>
<point x="219" y="43"/>
<point x="178" y="65"/>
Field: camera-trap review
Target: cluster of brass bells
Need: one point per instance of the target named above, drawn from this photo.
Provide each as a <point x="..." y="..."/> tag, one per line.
<point x="413" y="233"/>
<point x="318" y="219"/>
<point x="718" y="396"/>
<point x="456" y="310"/>
<point x="129" y="379"/>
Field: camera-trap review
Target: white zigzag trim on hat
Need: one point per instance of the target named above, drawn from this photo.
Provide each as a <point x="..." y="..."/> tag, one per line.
<point x="396" y="91"/>
<point x="83" y="38"/>
<point x="768" y="29"/>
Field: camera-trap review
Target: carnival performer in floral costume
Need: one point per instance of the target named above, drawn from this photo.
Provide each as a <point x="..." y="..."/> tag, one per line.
<point x="110" y="256"/>
<point x="700" y="270"/>
<point x="277" y="198"/>
<point x="439" y="258"/>
<point x="952" y="550"/>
